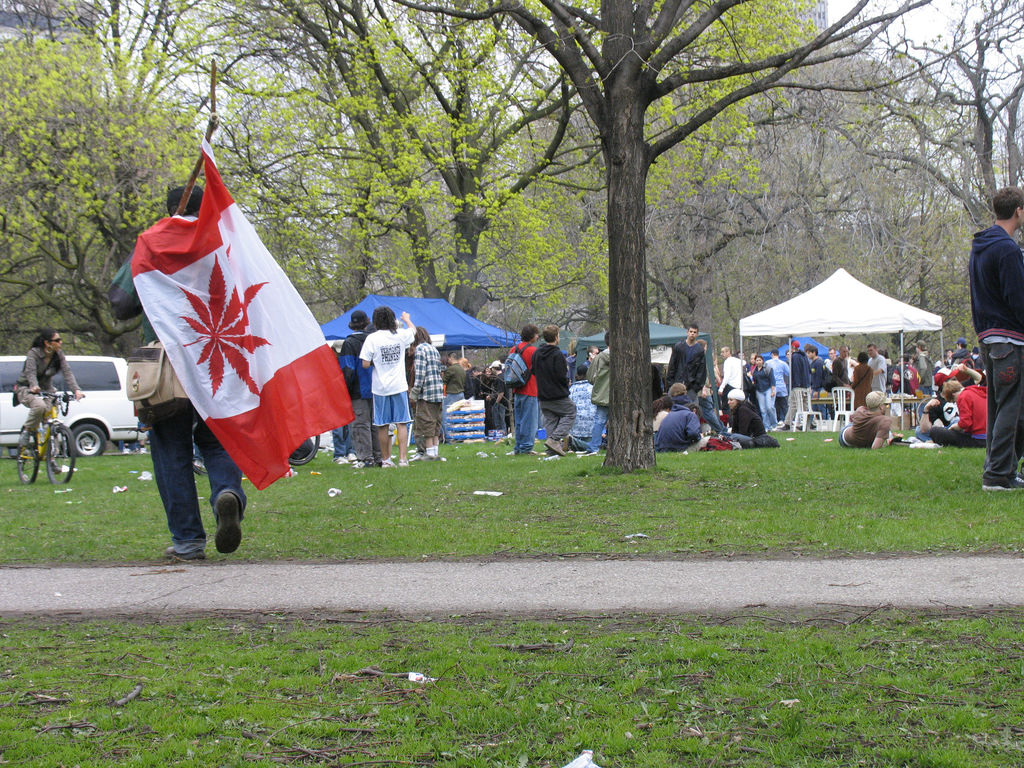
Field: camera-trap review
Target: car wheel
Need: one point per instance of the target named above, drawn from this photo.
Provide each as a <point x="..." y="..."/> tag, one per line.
<point x="90" y="439"/>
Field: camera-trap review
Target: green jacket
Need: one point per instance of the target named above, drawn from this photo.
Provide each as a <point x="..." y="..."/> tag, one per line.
<point x="599" y="374"/>
<point x="124" y="300"/>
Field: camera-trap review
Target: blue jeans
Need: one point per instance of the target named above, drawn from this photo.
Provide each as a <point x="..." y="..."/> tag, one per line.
<point x="600" y="421"/>
<point x="171" y="441"/>
<point x="342" y="439"/>
<point x="766" y="405"/>
<point x="527" y="414"/>
<point x="707" y="410"/>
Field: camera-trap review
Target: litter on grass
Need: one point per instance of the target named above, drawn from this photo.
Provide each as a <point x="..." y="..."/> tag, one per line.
<point x="487" y="493"/>
<point x="65" y="490"/>
<point x="637" y="536"/>
<point x="145" y="475"/>
<point x="120" y="488"/>
<point x="419" y="677"/>
<point x="585" y="760"/>
<point x="332" y="492"/>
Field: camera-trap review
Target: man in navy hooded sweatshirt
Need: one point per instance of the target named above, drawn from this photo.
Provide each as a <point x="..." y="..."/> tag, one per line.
<point x="997" y="306"/>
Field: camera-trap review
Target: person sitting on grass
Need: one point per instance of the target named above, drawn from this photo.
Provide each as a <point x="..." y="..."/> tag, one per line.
<point x="746" y="424"/>
<point x="661" y="408"/>
<point x="680" y="429"/>
<point x="870" y="426"/>
<point x="970" y="429"/>
<point x="941" y="410"/>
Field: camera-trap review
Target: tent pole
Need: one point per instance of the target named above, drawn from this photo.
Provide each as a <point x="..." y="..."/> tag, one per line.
<point x="789" y="364"/>
<point x="904" y="369"/>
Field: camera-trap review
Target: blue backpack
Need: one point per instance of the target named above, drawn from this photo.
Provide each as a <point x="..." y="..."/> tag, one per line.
<point x="516" y="372"/>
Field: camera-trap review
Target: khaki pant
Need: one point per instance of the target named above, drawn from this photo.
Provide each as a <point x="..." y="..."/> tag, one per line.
<point x="37" y="408"/>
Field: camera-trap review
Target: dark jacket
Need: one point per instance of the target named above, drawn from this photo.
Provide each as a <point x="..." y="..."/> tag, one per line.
<point x="687" y="365"/>
<point x="764" y="380"/>
<point x="997" y="285"/>
<point x="800" y="367"/>
<point x="358" y="379"/>
<point x="745" y="420"/>
<point x="819" y="374"/>
<point x="551" y="372"/>
<point x="840" y="372"/>
<point x="680" y="429"/>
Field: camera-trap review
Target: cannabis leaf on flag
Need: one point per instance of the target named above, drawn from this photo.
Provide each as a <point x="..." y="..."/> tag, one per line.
<point x="249" y="353"/>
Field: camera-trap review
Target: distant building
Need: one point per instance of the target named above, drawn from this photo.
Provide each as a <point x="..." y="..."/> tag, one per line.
<point x="819" y="15"/>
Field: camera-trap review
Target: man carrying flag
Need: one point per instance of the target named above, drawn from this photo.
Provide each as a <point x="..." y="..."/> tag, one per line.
<point x="247" y="351"/>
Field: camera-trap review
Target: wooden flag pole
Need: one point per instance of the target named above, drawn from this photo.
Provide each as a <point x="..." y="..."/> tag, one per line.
<point x="211" y="126"/>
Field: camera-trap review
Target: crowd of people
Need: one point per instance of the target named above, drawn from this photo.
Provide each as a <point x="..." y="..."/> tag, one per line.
<point x="395" y="377"/>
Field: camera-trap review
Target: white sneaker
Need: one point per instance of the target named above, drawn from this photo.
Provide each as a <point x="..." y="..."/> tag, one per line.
<point x="341" y="460"/>
<point x="352" y="457"/>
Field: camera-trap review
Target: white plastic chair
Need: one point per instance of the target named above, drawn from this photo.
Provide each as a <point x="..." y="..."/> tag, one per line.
<point x="804" y="412"/>
<point x="842" y="406"/>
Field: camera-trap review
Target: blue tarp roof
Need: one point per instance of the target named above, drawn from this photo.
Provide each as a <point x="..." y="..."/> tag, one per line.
<point x="436" y="315"/>
<point x="805" y="341"/>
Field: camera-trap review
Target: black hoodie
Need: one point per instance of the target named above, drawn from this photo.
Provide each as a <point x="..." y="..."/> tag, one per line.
<point x="997" y="285"/>
<point x="551" y="372"/>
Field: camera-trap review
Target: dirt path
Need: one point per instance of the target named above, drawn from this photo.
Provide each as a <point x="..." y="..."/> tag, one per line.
<point x="515" y="586"/>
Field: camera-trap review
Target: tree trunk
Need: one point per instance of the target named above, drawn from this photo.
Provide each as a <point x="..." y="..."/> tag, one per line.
<point x="630" y="444"/>
<point x="469" y="296"/>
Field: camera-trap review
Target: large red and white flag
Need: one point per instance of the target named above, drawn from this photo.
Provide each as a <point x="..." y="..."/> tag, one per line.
<point x="248" y="351"/>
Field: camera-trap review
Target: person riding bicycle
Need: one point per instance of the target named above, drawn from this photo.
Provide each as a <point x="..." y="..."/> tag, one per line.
<point x="44" y="360"/>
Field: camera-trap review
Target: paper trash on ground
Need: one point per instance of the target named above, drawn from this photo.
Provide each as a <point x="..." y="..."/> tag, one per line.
<point x="487" y="493"/>
<point x="585" y="760"/>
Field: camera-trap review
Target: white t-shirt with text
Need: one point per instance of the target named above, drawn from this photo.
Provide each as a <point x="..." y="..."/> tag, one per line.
<point x="386" y="351"/>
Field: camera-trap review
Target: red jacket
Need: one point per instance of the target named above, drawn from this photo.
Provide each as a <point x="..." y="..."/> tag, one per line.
<point x="972" y="404"/>
<point x="526" y="350"/>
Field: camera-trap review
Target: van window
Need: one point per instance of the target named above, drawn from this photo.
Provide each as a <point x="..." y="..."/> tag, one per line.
<point x="92" y="376"/>
<point x="10" y="370"/>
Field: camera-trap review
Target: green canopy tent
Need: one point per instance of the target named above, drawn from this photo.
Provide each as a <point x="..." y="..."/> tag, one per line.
<point x="663" y="338"/>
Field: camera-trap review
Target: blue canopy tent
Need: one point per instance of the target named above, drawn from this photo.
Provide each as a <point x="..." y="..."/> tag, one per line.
<point x="436" y="315"/>
<point x="805" y="341"/>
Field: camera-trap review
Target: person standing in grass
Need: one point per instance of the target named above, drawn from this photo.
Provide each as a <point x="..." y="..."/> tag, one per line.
<point x="552" y="376"/>
<point x="996" y="271"/>
<point x="526" y="412"/>
<point x="384" y="351"/>
<point x="599" y="374"/>
<point x="428" y="393"/>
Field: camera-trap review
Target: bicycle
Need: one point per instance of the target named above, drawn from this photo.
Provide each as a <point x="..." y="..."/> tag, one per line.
<point x="52" y="442"/>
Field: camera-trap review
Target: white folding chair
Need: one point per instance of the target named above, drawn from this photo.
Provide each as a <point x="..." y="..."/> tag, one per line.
<point x="804" y="412"/>
<point x="842" y="405"/>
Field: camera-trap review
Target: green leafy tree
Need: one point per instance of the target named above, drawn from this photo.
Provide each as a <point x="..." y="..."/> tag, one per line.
<point x="423" y="131"/>
<point x="92" y="138"/>
<point x="650" y="76"/>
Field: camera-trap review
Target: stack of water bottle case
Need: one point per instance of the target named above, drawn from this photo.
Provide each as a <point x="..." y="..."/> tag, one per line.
<point x="466" y="421"/>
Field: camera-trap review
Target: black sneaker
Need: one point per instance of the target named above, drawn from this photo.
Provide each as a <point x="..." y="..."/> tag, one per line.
<point x="1003" y="484"/>
<point x="229" y="522"/>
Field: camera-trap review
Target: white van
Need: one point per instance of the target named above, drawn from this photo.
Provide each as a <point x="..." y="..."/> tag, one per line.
<point x="105" y="413"/>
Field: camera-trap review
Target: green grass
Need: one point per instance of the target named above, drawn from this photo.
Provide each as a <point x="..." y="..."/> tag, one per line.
<point x="808" y="497"/>
<point x="926" y="691"/>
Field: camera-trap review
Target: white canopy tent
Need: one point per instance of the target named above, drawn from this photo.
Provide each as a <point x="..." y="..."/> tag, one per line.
<point x="839" y="305"/>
